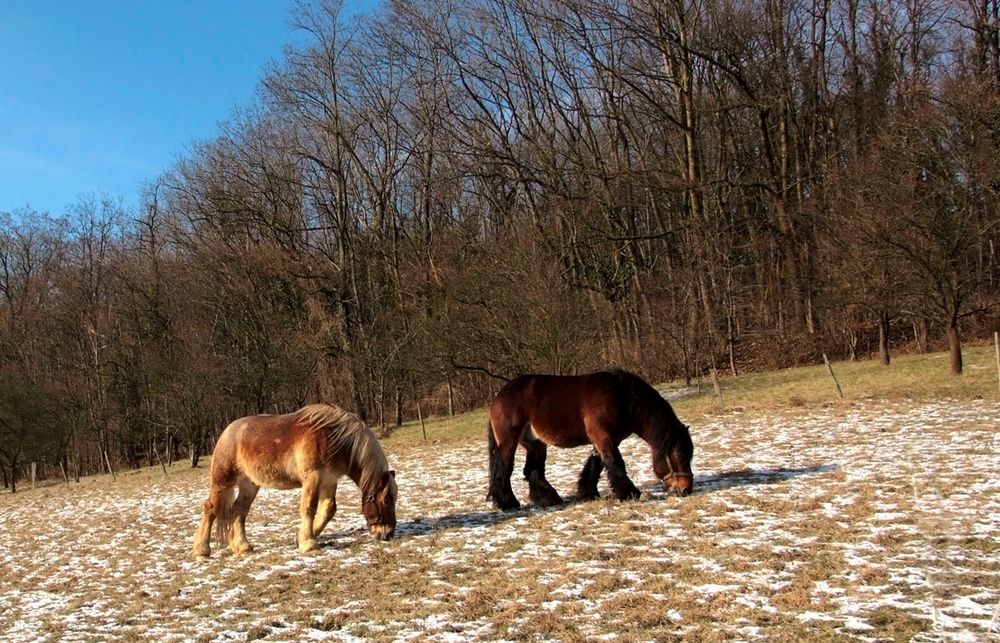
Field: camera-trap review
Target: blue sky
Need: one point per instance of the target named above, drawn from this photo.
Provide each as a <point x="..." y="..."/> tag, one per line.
<point x="100" y="96"/>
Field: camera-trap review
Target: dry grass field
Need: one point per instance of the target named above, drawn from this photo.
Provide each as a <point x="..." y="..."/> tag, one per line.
<point x="874" y="518"/>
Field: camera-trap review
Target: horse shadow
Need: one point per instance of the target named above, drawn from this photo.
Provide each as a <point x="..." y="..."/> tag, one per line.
<point x="748" y="477"/>
<point x="426" y="525"/>
<point x="474" y="519"/>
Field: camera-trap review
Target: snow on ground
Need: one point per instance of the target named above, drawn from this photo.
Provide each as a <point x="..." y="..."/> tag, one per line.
<point x="864" y="523"/>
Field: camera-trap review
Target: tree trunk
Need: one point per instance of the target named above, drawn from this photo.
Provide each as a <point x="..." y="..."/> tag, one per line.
<point x="195" y="453"/>
<point x="381" y="405"/>
<point x="883" y="338"/>
<point x="920" y="334"/>
<point x="954" y="348"/>
<point x="731" y="345"/>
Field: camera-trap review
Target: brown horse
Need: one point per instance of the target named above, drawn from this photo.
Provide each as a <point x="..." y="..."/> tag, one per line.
<point x="311" y="448"/>
<point x="601" y="408"/>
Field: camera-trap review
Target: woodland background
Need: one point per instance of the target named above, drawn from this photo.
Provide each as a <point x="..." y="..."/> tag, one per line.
<point x="444" y="193"/>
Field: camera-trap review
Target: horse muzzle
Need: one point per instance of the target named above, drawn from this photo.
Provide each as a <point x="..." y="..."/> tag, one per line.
<point x="679" y="484"/>
<point x="383" y="532"/>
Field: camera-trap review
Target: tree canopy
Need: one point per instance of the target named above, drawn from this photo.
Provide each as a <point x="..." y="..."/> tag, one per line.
<point x="445" y="193"/>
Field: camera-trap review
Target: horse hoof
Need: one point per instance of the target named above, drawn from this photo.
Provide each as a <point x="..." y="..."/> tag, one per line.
<point x="306" y="546"/>
<point x="509" y="503"/>
<point x="548" y="500"/>
<point x="629" y="494"/>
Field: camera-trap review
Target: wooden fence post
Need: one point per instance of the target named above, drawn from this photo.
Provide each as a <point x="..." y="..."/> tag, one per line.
<point x="156" y="452"/>
<point x="996" y="342"/>
<point x="107" y="461"/>
<point x="34" y="472"/>
<point x="718" y="388"/>
<point x="829" y="368"/>
<point x="423" y="429"/>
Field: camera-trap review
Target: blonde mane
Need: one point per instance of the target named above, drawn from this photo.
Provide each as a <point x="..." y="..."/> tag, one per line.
<point x="345" y="431"/>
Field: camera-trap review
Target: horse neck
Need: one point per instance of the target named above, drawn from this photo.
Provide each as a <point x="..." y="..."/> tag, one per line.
<point x="364" y="473"/>
<point x="654" y="427"/>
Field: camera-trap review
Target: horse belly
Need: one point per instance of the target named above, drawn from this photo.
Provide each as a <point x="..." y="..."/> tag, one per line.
<point x="274" y="479"/>
<point x="562" y="439"/>
<point x="280" y="473"/>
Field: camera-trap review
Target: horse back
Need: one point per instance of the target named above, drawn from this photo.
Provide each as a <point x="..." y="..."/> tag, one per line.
<point x="559" y="407"/>
<point x="272" y="450"/>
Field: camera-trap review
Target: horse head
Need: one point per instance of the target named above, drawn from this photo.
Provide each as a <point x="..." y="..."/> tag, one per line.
<point x="673" y="465"/>
<point x="379" y="507"/>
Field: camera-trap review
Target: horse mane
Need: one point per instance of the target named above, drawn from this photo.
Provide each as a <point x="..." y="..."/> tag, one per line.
<point x="665" y="428"/>
<point x="344" y="431"/>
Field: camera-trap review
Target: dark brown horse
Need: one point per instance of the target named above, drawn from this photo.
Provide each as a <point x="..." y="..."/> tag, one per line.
<point x="312" y="448"/>
<point x="601" y="408"/>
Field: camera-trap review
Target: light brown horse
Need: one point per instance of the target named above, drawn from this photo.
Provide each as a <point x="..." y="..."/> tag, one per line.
<point x="312" y="448"/>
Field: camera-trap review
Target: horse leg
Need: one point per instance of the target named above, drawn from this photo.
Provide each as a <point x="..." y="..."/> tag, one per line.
<point x="501" y="467"/>
<point x="214" y="505"/>
<point x="238" y="543"/>
<point x="586" y="485"/>
<point x="325" y="509"/>
<point x="539" y="489"/>
<point x="307" y="511"/>
<point x="620" y="483"/>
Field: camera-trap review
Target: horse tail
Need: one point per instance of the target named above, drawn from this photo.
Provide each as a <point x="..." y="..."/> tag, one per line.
<point x="225" y="498"/>
<point x="222" y="495"/>
<point x="494" y="456"/>
<point x="494" y="449"/>
<point x="501" y="462"/>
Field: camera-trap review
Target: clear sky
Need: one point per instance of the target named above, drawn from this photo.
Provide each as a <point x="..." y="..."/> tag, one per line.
<point x="100" y="96"/>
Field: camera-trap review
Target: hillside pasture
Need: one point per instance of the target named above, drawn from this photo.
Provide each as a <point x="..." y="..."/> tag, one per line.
<point x="862" y="520"/>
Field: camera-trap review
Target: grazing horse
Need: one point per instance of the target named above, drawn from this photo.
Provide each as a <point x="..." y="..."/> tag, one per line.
<point x="311" y="448"/>
<point x="601" y="408"/>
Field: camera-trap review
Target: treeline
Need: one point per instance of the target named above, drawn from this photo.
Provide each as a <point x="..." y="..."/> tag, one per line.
<point x="448" y="192"/>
